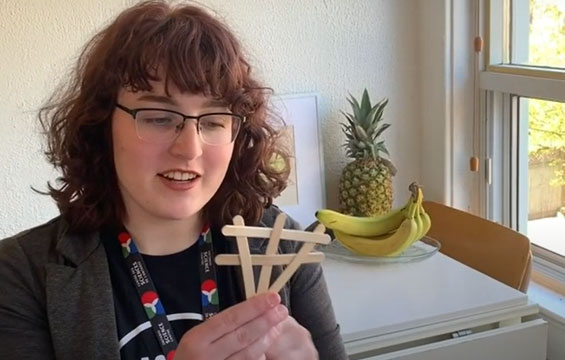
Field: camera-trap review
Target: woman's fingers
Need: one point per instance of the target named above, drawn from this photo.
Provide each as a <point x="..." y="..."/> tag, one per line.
<point x="237" y="315"/>
<point x="258" y="348"/>
<point x="253" y="332"/>
<point x="295" y="343"/>
<point x="247" y="324"/>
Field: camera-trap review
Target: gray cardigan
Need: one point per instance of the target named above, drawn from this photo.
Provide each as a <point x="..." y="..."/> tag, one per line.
<point x="56" y="296"/>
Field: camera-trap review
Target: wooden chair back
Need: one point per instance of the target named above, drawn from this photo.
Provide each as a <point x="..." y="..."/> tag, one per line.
<point x="491" y="248"/>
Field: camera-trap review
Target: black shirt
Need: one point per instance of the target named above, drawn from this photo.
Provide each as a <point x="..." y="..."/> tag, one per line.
<point x="177" y="281"/>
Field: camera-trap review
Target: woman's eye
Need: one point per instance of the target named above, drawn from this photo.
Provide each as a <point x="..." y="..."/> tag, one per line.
<point x="212" y="124"/>
<point x="160" y="121"/>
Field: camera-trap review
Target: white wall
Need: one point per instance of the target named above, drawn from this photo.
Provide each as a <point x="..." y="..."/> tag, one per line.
<point x="331" y="47"/>
<point x="446" y="88"/>
<point x="435" y="90"/>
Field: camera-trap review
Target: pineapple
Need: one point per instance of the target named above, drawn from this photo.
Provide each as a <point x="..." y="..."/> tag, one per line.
<point x="365" y="186"/>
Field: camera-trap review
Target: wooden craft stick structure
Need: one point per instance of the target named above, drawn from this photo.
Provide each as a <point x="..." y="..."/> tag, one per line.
<point x="245" y="260"/>
<point x="264" y="260"/>
<point x="272" y="247"/>
<point x="270" y="258"/>
<point x="296" y="262"/>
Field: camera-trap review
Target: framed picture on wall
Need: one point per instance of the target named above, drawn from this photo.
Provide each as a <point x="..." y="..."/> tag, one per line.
<point x="305" y="193"/>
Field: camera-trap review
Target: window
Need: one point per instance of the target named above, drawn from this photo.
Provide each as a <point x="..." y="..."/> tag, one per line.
<point x="546" y="172"/>
<point x="523" y="124"/>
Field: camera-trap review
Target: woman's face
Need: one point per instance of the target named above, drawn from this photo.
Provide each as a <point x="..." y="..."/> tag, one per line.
<point x="146" y="170"/>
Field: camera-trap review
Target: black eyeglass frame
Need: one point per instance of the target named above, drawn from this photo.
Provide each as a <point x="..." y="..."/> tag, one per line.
<point x="133" y="113"/>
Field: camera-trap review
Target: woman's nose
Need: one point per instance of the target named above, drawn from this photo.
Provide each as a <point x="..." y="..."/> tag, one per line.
<point x="187" y="144"/>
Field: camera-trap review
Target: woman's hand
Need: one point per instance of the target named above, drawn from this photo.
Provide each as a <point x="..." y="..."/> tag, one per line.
<point x="243" y="331"/>
<point x="294" y="343"/>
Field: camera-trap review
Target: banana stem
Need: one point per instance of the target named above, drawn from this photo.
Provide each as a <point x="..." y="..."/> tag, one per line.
<point x="413" y="188"/>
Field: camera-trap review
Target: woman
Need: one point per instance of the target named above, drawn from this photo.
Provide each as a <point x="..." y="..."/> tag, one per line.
<point x="161" y="134"/>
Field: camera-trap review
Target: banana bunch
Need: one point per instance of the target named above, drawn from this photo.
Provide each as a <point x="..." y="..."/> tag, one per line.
<point x="384" y="235"/>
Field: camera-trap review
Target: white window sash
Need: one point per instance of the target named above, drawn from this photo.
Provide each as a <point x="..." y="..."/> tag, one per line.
<point x="506" y="198"/>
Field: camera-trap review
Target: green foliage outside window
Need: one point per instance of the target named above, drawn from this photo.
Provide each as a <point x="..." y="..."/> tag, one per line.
<point x="547" y="118"/>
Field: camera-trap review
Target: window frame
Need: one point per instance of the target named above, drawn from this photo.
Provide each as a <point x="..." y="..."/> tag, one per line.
<point x="502" y="85"/>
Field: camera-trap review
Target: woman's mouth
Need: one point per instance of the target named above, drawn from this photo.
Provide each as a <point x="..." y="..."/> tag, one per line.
<point x="180" y="176"/>
<point x="179" y="180"/>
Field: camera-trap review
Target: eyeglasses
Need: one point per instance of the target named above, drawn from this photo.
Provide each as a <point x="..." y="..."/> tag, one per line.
<point x="161" y="126"/>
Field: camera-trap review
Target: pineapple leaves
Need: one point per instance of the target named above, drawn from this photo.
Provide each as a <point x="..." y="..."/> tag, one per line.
<point x="374" y="153"/>
<point x="381" y="105"/>
<point x="363" y="128"/>
<point x="361" y="134"/>
<point x="355" y="106"/>
<point x="380" y="146"/>
<point x="372" y="119"/>
<point x="365" y="103"/>
<point x="350" y="119"/>
<point x="380" y="131"/>
<point x="347" y="131"/>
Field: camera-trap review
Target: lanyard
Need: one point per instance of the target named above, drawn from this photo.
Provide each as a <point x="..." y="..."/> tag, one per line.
<point x="148" y="293"/>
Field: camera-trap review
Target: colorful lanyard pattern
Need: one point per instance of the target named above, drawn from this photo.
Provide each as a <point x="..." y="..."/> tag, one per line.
<point x="150" y="298"/>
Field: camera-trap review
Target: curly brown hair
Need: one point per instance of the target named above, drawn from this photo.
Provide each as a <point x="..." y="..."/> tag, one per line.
<point x="199" y="54"/>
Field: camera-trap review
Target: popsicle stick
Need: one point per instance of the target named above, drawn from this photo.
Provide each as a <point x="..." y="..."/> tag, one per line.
<point x="319" y="229"/>
<point x="292" y="267"/>
<point x="272" y="247"/>
<point x="263" y="260"/>
<point x="298" y="260"/>
<point x="261" y="232"/>
<point x="245" y="260"/>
